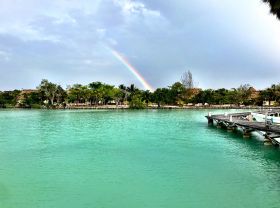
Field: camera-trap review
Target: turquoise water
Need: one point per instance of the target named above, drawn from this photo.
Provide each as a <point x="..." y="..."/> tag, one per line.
<point x="133" y="159"/>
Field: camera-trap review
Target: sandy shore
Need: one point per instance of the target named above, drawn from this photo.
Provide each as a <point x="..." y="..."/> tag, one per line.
<point x="114" y="107"/>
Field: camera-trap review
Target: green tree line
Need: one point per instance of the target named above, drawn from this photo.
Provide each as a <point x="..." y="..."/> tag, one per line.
<point x="51" y="95"/>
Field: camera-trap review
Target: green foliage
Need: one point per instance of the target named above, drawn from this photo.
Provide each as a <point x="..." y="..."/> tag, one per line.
<point x="137" y="102"/>
<point x="29" y="100"/>
<point x="51" y="92"/>
<point x="97" y="93"/>
<point x="9" y="98"/>
<point x="78" y="94"/>
<point x="162" y="96"/>
<point x="271" y="94"/>
<point x="2" y="101"/>
<point x="117" y="95"/>
<point x="146" y="97"/>
<point x="177" y="93"/>
<point x="35" y="106"/>
<point x="241" y="95"/>
<point x="274" y="7"/>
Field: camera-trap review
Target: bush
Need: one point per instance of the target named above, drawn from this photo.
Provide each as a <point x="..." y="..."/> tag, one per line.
<point x="136" y="102"/>
<point x="9" y="106"/>
<point x="36" y="106"/>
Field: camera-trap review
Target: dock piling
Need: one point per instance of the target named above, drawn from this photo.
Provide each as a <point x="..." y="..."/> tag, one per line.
<point x="230" y="129"/>
<point x="246" y="133"/>
<point x="210" y="119"/>
<point x="267" y="141"/>
<point x="246" y="121"/>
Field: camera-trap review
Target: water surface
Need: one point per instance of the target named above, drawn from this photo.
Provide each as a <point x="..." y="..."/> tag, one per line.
<point x="135" y="159"/>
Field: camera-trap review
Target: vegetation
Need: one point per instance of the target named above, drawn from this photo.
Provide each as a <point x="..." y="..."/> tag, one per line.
<point x="274" y="7"/>
<point x="183" y="93"/>
<point x="50" y="92"/>
<point x="51" y="95"/>
<point x="137" y="102"/>
<point x="9" y="98"/>
<point x="187" y="80"/>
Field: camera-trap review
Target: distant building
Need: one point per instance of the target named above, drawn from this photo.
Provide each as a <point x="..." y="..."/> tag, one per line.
<point x="269" y="103"/>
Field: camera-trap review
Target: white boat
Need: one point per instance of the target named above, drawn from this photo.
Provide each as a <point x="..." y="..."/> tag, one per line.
<point x="273" y="117"/>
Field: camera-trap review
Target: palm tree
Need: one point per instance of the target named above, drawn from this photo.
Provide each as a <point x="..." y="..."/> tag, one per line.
<point x="274" y="7"/>
<point x="132" y="88"/>
<point x="124" y="89"/>
<point x="146" y="97"/>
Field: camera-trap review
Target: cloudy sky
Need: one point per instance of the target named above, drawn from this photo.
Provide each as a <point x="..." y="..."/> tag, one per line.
<point x="223" y="42"/>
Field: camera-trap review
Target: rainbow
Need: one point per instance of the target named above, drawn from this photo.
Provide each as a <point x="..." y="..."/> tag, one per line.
<point x="132" y="69"/>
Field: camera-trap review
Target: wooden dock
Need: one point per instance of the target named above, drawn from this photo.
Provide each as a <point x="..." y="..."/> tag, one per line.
<point x="245" y="121"/>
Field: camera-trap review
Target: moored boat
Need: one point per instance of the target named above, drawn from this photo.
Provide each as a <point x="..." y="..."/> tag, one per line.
<point x="270" y="116"/>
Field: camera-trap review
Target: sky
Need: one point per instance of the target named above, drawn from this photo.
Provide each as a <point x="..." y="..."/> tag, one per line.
<point x="223" y="43"/>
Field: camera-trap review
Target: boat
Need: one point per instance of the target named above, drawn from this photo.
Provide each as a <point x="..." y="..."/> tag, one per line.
<point x="272" y="117"/>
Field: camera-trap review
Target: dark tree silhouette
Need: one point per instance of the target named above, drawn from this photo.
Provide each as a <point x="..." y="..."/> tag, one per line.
<point x="274" y="7"/>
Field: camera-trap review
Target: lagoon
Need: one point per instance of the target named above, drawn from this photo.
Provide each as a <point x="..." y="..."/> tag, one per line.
<point x="126" y="158"/>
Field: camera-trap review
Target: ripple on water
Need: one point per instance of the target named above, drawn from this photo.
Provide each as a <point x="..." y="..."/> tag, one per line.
<point x="131" y="159"/>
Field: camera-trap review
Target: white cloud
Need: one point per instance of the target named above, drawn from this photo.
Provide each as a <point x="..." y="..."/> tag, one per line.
<point x="159" y="36"/>
<point x="60" y="20"/>
<point x="17" y="17"/>
<point x="130" y="7"/>
<point x="101" y="32"/>
<point x="27" y="33"/>
<point x="64" y="19"/>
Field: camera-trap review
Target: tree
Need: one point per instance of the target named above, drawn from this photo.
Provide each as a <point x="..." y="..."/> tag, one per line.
<point x="131" y="88"/>
<point x="274" y="7"/>
<point x="162" y="96"/>
<point x="271" y="94"/>
<point x="95" y="92"/>
<point x="78" y="93"/>
<point x="125" y="92"/>
<point x="187" y="80"/>
<point x="29" y="100"/>
<point x="101" y="92"/>
<point x="117" y="95"/>
<point x="177" y="92"/>
<point x="95" y="85"/>
<point x="244" y="93"/>
<point x="146" y="96"/>
<point x="277" y="93"/>
<point x="136" y="102"/>
<point x="49" y="90"/>
<point x="60" y="94"/>
<point x="2" y="101"/>
<point x="9" y="98"/>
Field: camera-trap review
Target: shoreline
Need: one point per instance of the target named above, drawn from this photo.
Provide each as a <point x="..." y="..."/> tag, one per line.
<point x="125" y="107"/>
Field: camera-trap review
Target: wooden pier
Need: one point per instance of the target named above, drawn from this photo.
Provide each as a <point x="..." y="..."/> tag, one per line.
<point x="245" y="121"/>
